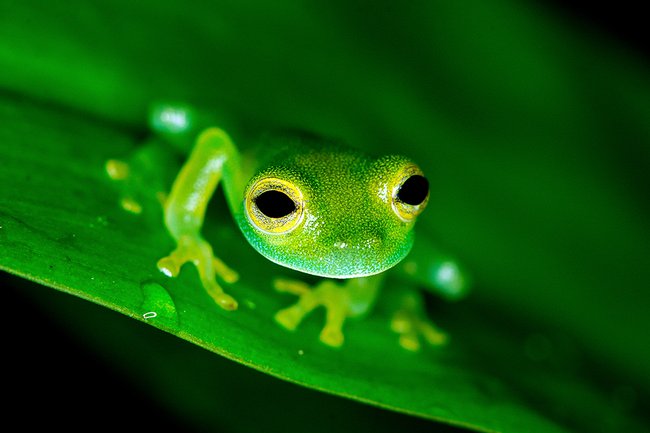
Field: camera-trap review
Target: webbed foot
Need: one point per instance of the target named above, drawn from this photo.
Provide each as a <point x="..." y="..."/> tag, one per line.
<point x="141" y="177"/>
<point x="197" y="251"/>
<point x="335" y="298"/>
<point x="120" y="171"/>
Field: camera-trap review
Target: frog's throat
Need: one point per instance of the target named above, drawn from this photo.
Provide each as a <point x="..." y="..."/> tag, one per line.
<point x="361" y="271"/>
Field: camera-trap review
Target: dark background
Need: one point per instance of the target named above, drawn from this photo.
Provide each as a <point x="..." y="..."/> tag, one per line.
<point x="86" y="382"/>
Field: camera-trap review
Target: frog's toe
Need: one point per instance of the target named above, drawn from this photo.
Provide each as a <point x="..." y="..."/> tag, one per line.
<point x="228" y="274"/>
<point x="332" y="336"/>
<point x="224" y="300"/>
<point x="117" y="169"/>
<point x="434" y="336"/>
<point x="131" y="205"/>
<point x="120" y="171"/>
<point x="298" y="288"/>
<point x="410" y="342"/>
<point x="197" y="251"/>
<point x="169" y="266"/>
<point x="289" y="318"/>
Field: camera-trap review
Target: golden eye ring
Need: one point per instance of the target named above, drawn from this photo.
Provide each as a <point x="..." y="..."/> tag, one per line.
<point x="274" y="206"/>
<point x="410" y="194"/>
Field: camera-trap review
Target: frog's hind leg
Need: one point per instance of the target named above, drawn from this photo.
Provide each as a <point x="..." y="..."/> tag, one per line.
<point x="185" y="211"/>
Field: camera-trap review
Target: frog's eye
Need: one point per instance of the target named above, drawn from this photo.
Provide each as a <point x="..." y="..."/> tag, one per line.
<point x="414" y="190"/>
<point x="411" y="194"/>
<point x="274" y="205"/>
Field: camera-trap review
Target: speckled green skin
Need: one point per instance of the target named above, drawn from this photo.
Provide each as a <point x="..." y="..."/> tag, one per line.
<point x="348" y="229"/>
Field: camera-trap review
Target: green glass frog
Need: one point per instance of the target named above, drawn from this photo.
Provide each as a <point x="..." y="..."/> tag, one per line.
<point x="313" y="205"/>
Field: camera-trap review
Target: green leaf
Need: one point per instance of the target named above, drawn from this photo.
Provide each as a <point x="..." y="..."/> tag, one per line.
<point x="171" y="384"/>
<point x="62" y="226"/>
<point x="535" y="137"/>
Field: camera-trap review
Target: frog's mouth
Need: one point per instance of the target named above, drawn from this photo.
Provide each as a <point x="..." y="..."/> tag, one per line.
<point x="343" y="261"/>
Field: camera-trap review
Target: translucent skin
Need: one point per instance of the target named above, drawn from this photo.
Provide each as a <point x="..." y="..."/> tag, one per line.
<point x="347" y="223"/>
<point x="348" y="228"/>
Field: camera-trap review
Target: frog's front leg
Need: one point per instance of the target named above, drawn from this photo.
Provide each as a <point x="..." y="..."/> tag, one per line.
<point x="185" y="211"/>
<point x="352" y="298"/>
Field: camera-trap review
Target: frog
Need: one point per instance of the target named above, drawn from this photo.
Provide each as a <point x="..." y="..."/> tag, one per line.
<point x="313" y="204"/>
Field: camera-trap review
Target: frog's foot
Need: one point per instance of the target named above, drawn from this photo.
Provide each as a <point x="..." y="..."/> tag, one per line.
<point x="334" y="298"/>
<point x="196" y="250"/>
<point x="411" y="323"/>
<point x="141" y="176"/>
<point x="120" y="171"/>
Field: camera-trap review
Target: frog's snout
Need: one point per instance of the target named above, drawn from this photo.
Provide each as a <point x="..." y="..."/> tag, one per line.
<point x="350" y="245"/>
<point x="356" y="256"/>
<point x="357" y="248"/>
<point x="344" y="240"/>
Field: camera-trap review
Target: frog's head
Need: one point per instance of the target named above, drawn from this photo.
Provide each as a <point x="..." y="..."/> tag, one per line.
<point x="334" y="213"/>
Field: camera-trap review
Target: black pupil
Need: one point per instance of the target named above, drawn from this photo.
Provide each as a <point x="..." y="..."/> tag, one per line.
<point x="414" y="191"/>
<point x="275" y="204"/>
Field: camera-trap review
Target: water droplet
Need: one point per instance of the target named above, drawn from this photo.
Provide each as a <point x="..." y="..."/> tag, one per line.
<point x="301" y="352"/>
<point x="250" y="304"/>
<point x="158" y="305"/>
